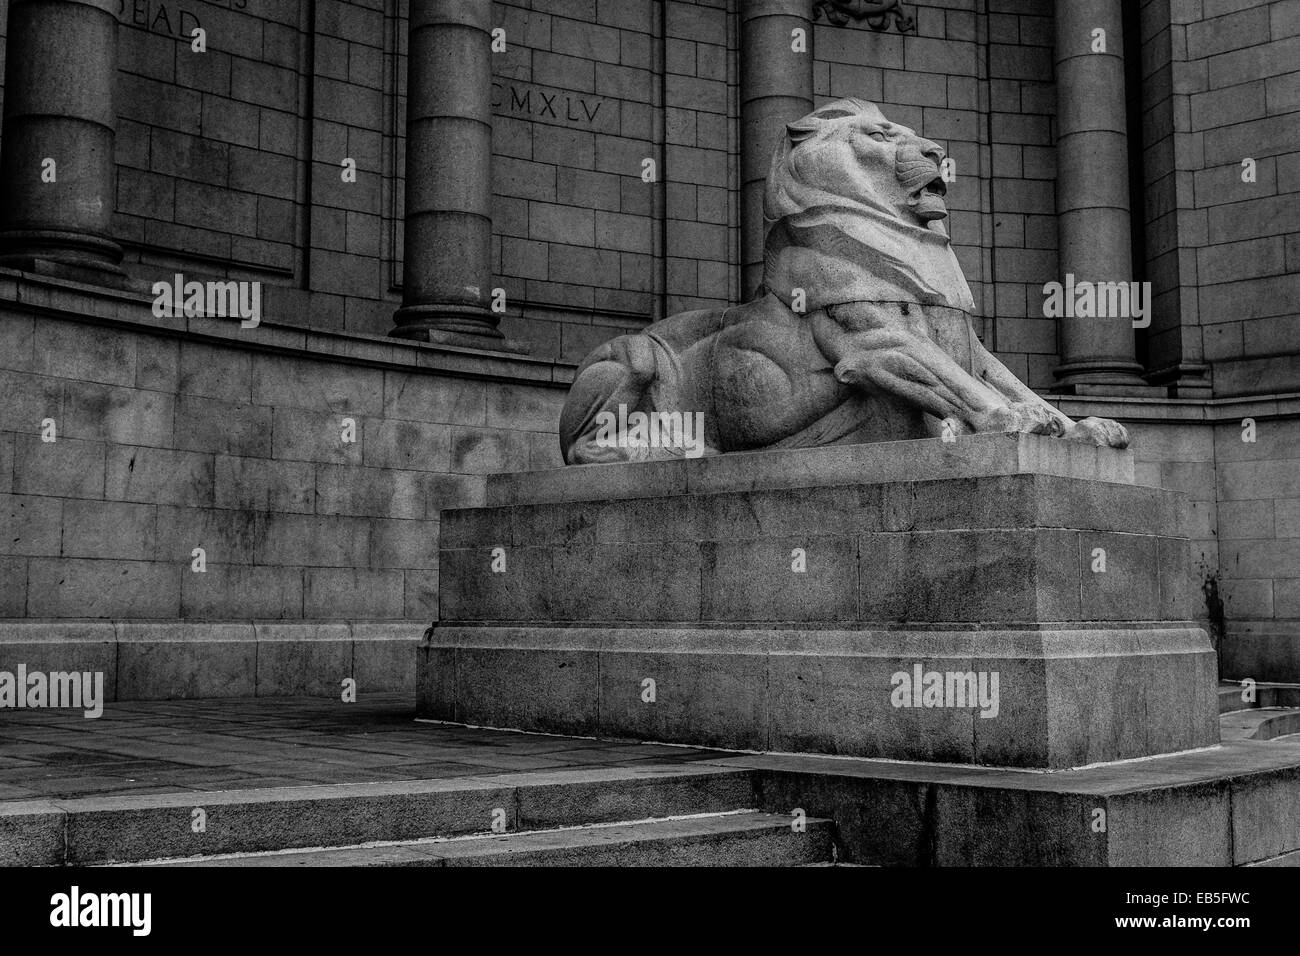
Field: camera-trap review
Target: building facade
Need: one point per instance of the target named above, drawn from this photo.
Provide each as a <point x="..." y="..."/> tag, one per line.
<point x="448" y="204"/>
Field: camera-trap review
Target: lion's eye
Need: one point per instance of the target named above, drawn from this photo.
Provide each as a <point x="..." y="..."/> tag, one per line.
<point x="879" y="137"/>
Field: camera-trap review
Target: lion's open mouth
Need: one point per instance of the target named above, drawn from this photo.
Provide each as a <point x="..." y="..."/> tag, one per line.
<point x="919" y="175"/>
<point x="927" y="201"/>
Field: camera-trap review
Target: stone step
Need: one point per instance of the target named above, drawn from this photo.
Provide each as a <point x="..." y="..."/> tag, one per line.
<point x="835" y="863"/>
<point x="1230" y="699"/>
<point x="1286" y="859"/>
<point x="746" y="838"/>
<point x="160" y="826"/>
<point x="1264" y="723"/>
<point x="1240" y="800"/>
<point x="1267" y="694"/>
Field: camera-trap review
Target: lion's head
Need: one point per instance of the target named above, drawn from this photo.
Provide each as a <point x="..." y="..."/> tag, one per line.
<point x="854" y="205"/>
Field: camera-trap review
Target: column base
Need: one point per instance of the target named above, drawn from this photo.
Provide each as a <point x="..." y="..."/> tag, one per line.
<point x="67" y="255"/>
<point x="459" y="326"/>
<point x="1102" y="378"/>
<point x="1183" y="380"/>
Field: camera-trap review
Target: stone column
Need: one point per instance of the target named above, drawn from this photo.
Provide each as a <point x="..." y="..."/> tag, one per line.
<point x="60" y="73"/>
<point x="1092" y="188"/>
<point x="776" y="88"/>
<point x="447" y="265"/>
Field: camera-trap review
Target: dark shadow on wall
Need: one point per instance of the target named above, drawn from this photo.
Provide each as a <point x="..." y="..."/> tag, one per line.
<point x="1132" y="26"/>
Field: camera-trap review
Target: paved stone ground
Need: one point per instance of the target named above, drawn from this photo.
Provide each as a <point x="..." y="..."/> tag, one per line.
<point x="142" y="747"/>
<point x="235" y="744"/>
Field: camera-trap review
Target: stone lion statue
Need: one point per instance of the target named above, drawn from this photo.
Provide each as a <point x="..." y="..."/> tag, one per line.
<point x="860" y="332"/>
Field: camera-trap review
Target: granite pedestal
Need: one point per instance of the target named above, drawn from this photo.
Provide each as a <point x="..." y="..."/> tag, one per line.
<point x="1006" y="600"/>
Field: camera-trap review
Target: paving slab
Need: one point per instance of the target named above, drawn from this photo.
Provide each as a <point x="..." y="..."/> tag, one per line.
<point x="205" y="745"/>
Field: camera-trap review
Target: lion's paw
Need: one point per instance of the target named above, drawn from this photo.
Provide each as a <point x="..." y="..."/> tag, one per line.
<point x="1099" y="431"/>
<point x="591" y="452"/>
<point x="1021" y="417"/>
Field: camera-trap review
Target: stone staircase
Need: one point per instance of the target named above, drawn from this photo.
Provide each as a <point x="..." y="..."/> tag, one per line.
<point x="1274" y="712"/>
<point x="657" y="816"/>
<point x="742" y="838"/>
<point x="209" y="795"/>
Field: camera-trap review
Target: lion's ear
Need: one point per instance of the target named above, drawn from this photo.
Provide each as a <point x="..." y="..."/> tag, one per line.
<point x="800" y="130"/>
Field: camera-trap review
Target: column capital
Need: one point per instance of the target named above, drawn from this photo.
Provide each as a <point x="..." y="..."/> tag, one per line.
<point x="463" y="13"/>
<point x="758" y="9"/>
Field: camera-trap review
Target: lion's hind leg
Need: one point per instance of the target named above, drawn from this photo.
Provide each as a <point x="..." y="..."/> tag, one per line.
<point x="617" y="373"/>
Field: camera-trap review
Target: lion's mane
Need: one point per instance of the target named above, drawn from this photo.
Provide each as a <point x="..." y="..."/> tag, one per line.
<point x="830" y="232"/>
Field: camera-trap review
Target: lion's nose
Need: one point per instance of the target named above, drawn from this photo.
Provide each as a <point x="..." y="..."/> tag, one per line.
<point x="930" y="150"/>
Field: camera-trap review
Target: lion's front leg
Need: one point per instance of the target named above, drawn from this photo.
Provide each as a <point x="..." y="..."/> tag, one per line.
<point x="872" y="348"/>
<point x="869" y="351"/>
<point x="1098" y="431"/>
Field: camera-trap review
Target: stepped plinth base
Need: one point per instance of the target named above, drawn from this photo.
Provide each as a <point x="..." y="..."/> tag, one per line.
<point x="986" y="601"/>
<point x="1063" y="698"/>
